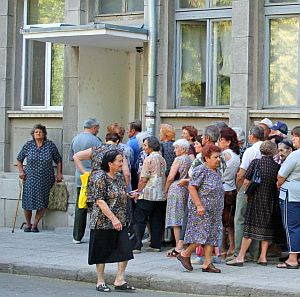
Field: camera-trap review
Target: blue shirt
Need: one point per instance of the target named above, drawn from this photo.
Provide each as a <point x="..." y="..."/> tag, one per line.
<point x="81" y="142"/>
<point x="134" y="144"/>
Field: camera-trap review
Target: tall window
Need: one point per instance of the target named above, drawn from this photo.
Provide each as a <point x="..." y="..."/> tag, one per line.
<point x="283" y="73"/>
<point x="120" y="6"/>
<point x="203" y="53"/>
<point x="204" y="63"/>
<point x="282" y="46"/>
<point x="43" y="73"/>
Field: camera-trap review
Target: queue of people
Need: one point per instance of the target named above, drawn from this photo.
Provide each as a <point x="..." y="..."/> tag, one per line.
<point x="195" y="186"/>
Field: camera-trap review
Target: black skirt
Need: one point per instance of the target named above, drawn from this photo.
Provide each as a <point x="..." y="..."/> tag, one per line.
<point x="109" y="246"/>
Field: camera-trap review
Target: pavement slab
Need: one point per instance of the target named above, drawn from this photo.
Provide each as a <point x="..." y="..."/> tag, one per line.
<point x="52" y="254"/>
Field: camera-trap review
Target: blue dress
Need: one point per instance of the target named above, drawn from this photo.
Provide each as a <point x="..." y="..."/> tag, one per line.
<point x="39" y="173"/>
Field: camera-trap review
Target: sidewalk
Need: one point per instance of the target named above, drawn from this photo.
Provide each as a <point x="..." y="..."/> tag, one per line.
<point x="52" y="254"/>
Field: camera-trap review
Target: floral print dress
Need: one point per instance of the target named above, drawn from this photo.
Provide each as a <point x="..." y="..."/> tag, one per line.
<point x="113" y="192"/>
<point x="177" y="195"/>
<point x="205" y="229"/>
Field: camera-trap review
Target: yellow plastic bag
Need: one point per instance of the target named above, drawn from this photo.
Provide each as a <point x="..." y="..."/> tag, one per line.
<point x="82" y="200"/>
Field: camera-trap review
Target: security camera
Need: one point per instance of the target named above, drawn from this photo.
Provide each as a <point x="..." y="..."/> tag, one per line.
<point x="139" y="49"/>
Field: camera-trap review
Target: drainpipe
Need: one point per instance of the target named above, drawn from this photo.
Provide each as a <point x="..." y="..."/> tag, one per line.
<point x="150" y="113"/>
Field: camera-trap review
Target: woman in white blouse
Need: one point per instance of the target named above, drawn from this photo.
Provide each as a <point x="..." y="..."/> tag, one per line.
<point x="289" y="199"/>
<point x="228" y="143"/>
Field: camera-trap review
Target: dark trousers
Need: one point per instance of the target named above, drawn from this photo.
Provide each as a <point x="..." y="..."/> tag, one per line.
<point x="79" y="220"/>
<point x="152" y="212"/>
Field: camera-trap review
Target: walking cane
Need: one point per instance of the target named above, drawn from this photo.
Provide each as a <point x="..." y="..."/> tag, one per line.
<point x="19" y="199"/>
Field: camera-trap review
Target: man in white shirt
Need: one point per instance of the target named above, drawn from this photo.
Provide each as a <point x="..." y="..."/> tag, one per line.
<point x="256" y="136"/>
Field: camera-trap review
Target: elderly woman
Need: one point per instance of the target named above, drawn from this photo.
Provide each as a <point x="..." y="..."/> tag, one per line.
<point x="151" y="203"/>
<point x="109" y="241"/>
<point x="128" y="151"/>
<point x="289" y="185"/>
<point x="240" y="133"/>
<point x="285" y="147"/>
<point x="38" y="175"/>
<point x="205" y="206"/>
<point x="189" y="133"/>
<point x="96" y="155"/>
<point x="261" y="221"/>
<point x="177" y="195"/>
<point x="167" y="138"/>
<point x="228" y="143"/>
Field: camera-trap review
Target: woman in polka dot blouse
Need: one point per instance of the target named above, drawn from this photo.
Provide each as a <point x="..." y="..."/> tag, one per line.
<point x="38" y="175"/>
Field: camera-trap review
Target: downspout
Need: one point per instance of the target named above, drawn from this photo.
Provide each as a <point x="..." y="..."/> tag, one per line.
<point x="150" y="113"/>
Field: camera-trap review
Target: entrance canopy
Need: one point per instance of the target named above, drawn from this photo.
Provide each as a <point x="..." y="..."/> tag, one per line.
<point x="96" y="35"/>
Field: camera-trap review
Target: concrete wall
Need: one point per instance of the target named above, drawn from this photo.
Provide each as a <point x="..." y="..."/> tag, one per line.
<point x="106" y="86"/>
<point x="9" y="194"/>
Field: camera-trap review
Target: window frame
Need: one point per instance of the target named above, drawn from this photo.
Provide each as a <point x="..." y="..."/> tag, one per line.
<point x="208" y="5"/>
<point x="48" y="70"/>
<point x="276" y="11"/>
<point x="209" y="20"/>
<point x="123" y="12"/>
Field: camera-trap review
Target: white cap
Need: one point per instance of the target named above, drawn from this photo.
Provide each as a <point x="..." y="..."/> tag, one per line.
<point x="267" y="122"/>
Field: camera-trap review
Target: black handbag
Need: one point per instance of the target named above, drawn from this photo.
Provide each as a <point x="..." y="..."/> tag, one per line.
<point x="131" y="235"/>
<point x="255" y="180"/>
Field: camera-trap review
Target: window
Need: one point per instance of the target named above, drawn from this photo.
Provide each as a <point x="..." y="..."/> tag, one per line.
<point x="221" y="62"/>
<point x="43" y="62"/>
<point x="203" y="3"/>
<point x="281" y="1"/>
<point x="282" y="46"/>
<point x="203" y="53"/>
<point x="120" y="6"/>
<point x="204" y="63"/>
<point x="283" y="61"/>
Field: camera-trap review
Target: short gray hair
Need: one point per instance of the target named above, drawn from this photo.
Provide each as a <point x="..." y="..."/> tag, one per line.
<point x="268" y="148"/>
<point x="182" y="143"/>
<point x="257" y="132"/>
<point x="212" y="132"/>
<point x="90" y="122"/>
<point x="221" y="124"/>
<point x="240" y="133"/>
<point x="141" y="136"/>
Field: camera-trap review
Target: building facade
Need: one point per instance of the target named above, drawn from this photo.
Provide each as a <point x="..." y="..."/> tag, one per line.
<point x="163" y="61"/>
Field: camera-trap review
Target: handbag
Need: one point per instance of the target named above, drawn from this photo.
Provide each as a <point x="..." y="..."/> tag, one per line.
<point x="131" y="235"/>
<point x="82" y="199"/>
<point x="58" y="197"/>
<point x="255" y="180"/>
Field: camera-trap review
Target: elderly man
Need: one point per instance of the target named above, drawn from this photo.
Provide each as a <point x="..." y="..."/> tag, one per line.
<point x="256" y="137"/>
<point x="81" y="142"/>
<point x="134" y="128"/>
<point x="266" y="124"/>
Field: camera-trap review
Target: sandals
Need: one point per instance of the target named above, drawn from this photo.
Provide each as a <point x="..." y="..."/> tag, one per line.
<point x="173" y="253"/>
<point x="125" y="288"/>
<point x="286" y="265"/>
<point x="234" y="262"/>
<point x="27" y="229"/>
<point x="262" y="263"/>
<point x="103" y="288"/>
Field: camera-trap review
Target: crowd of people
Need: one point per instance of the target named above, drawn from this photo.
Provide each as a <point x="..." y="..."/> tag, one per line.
<point x="222" y="197"/>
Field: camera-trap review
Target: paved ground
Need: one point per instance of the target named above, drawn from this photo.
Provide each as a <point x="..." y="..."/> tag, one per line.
<point x="35" y="286"/>
<point x="52" y="254"/>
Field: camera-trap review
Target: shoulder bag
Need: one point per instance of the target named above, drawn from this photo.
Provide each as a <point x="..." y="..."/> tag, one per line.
<point x="255" y="180"/>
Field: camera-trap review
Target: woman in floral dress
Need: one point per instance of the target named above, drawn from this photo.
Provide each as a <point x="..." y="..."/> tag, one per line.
<point x="177" y="195"/>
<point x="205" y="205"/>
